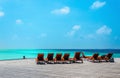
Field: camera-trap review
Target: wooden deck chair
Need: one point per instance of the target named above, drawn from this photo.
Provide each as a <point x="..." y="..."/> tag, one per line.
<point x="40" y="59"/>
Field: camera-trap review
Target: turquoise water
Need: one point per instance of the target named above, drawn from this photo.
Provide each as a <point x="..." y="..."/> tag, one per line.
<point x="32" y="53"/>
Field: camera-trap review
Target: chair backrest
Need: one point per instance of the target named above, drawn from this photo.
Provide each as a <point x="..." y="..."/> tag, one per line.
<point x="50" y="56"/>
<point x="66" y="56"/>
<point x="77" y="55"/>
<point x="95" y="56"/>
<point x="103" y="56"/>
<point x="40" y="57"/>
<point x="109" y="55"/>
<point x="83" y="55"/>
<point x="58" y="56"/>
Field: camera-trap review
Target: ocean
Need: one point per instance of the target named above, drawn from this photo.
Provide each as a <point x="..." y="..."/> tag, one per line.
<point x="13" y="54"/>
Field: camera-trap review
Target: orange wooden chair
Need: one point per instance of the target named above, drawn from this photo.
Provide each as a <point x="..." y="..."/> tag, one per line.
<point x="107" y="57"/>
<point x="66" y="58"/>
<point x="40" y="59"/>
<point x="77" y="57"/>
<point x="49" y="58"/>
<point x="58" y="58"/>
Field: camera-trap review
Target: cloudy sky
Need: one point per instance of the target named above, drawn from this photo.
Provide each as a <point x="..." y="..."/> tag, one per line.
<point x="56" y="24"/>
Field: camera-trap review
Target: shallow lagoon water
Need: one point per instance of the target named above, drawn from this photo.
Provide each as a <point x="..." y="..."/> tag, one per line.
<point x="32" y="53"/>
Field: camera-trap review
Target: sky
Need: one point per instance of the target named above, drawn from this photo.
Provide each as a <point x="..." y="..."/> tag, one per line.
<point x="59" y="24"/>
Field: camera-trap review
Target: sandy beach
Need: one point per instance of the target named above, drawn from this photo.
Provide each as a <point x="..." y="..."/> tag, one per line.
<point x="28" y="69"/>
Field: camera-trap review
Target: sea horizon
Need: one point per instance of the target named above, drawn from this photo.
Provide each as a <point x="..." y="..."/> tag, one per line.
<point x="32" y="53"/>
<point x="61" y="48"/>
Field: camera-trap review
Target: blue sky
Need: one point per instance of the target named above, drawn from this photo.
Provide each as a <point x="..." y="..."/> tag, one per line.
<point x="56" y="24"/>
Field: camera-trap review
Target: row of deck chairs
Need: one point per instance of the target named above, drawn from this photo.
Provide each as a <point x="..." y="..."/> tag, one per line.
<point x="77" y="58"/>
<point x="103" y="58"/>
<point x="58" y="58"/>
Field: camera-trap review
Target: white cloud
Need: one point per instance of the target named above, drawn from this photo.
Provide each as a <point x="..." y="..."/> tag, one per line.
<point x="43" y="35"/>
<point x="19" y="21"/>
<point x="2" y="13"/>
<point x="64" y="10"/>
<point x="97" y="4"/>
<point x="104" y="30"/>
<point x="75" y="28"/>
<point x="71" y="33"/>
